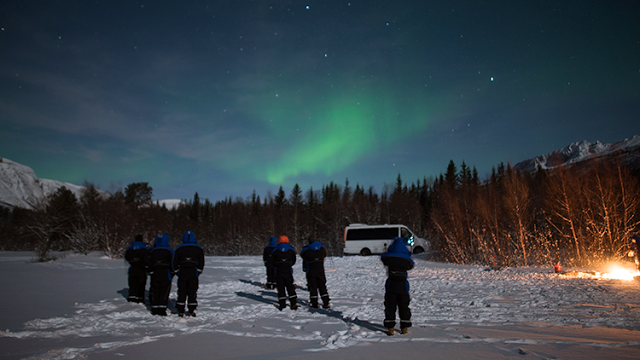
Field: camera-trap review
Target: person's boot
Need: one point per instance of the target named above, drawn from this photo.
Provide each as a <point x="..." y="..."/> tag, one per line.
<point x="391" y="331"/>
<point x="325" y="301"/>
<point x="404" y="331"/>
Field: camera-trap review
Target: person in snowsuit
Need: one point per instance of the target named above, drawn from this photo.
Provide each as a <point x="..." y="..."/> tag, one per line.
<point x="313" y="265"/>
<point x="398" y="261"/>
<point x="636" y="249"/>
<point x="159" y="267"/>
<point x="283" y="258"/>
<point x="188" y="263"/>
<point x="135" y="255"/>
<point x="266" y="258"/>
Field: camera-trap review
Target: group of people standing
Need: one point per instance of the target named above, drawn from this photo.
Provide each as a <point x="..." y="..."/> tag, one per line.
<point x="161" y="263"/>
<point x="279" y="258"/>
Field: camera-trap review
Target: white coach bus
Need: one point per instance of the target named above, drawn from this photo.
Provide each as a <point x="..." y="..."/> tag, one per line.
<point x="374" y="239"/>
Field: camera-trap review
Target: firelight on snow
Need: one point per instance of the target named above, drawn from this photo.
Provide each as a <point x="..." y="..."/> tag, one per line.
<point x="613" y="271"/>
<point x="616" y="271"/>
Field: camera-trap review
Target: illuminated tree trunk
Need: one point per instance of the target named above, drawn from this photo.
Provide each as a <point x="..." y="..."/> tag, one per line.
<point x="630" y="195"/>
<point x="568" y="210"/>
<point x="563" y="201"/>
<point x="487" y="211"/>
<point x="614" y="197"/>
<point x="447" y="217"/>
<point x="517" y="203"/>
<point x="604" y="200"/>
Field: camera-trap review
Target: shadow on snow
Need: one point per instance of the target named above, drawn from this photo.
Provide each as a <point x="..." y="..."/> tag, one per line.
<point x="171" y="304"/>
<point x="329" y="312"/>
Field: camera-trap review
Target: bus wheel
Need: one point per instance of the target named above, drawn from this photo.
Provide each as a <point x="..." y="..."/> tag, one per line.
<point x="365" y="252"/>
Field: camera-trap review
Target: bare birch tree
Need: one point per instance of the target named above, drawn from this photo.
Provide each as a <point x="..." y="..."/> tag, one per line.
<point x="517" y="201"/>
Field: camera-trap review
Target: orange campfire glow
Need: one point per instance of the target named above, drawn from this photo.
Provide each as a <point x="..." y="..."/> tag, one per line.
<point x="616" y="271"/>
<point x="613" y="272"/>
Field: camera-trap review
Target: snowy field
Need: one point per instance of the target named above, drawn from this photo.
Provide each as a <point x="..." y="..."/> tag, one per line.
<point x="76" y="308"/>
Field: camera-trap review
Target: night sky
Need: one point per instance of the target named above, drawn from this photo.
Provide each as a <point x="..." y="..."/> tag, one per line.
<point x="228" y="97"/>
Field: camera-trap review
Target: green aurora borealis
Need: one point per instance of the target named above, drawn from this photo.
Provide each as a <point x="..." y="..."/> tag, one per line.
<point x="230" y="97"/>
<point x="336" y="133"/>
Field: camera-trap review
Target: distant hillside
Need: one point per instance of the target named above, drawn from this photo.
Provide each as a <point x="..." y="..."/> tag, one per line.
<point x="625" y="152"/>
<point x="19" y="186"/>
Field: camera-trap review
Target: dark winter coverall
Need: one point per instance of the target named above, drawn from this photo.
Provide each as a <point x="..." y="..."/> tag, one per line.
<point x="398" y="261"/>
<point x="188" y="263"/>
<point x="313" y="264"/>
<point x="159" y="267"/>
<point x="283" y="258"/>
<point x="266" y="258"/>
<point x="135" y="256"/>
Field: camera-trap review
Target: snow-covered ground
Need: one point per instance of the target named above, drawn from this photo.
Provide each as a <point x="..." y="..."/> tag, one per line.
<point x="76" y="307"/>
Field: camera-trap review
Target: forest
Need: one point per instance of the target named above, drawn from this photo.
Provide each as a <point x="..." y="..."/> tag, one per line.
<point x="576" y="215"/>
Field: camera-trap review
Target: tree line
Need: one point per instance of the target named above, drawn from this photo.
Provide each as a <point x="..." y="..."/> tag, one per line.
<point x="577" y="215"/>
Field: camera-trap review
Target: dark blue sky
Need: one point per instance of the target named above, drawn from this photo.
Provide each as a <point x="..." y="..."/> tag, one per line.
<point x="227" y="97"/>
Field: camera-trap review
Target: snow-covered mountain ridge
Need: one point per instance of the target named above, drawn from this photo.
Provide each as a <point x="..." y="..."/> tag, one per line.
<point x="627" y="151"/>
<point x="19" y="186"/>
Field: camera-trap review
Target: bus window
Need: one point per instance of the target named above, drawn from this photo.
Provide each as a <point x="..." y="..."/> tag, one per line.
<point x="372" y="233"/>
